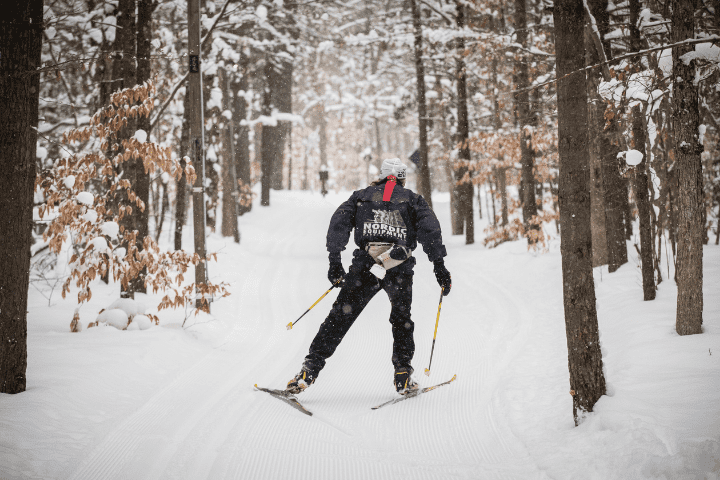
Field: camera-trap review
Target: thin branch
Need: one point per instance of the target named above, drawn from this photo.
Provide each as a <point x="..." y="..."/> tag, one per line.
<point x="714" y="39"/>
<point x="442" y="14"/>
<point x="179" y="84"/>
<point x="67" y="88"/>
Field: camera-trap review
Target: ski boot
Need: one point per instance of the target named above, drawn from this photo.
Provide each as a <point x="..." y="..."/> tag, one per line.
<point x="404" y="382"/>
<point x="301" y="381"/>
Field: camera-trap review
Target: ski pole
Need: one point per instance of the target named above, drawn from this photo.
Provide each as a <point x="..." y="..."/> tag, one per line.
<point x="291" y="324"/>
<point x="437" y="320"/>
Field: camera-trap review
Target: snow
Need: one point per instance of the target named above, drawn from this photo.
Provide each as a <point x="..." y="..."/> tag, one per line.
<point x="99" y="244"/>
<point x="633" y="157"/>
<point x="114" y="318"/>
<point x="90" y="216"/>
<point x="128" y="305"/>
<point x="703" y="51"/>
<point x="177" y="402"/>
<point x="69" y="181"/>
<point x="41" y="152"/>
<point x="140" y="322"/>
<point x="140" y="135"/>
<point x="86" y="198"/>
<point x="261" y="12"/>
<point x="110" y="229"/>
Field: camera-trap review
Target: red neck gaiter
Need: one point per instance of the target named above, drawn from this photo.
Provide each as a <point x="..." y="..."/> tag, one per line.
<point x="389" y="185"/>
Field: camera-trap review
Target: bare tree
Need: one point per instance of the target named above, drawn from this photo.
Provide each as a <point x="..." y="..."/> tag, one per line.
<point x="688" y="171"/>
<point x="465" y="190"/>
<point x="20" y="45"/>
<point x="522" y="106"/>
<point x="587" y="382"/>
<point x="424" y="187"/>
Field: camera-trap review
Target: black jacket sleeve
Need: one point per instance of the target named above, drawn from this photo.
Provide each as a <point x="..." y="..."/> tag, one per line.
<point x="341" y="224"/>
<point x="428" y="230"/>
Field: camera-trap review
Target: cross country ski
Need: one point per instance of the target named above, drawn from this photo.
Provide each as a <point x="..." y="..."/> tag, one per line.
<point x="286" y="397"/>
<point x="414" y="394"/>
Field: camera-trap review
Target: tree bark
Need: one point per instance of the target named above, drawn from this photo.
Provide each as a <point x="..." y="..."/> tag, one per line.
<point x="20" y="46"/>
<point x="141" y="187"/>
<point x="614" y="193"/>
<point x="125" y="71"/>
<point x="688" y="169"/>
<point x="181" y="186"/>
<point x="522" y="106"/>
<point x="466" y="189"/>
<point x="242" y="142"/>
<point x="611" y="184"/>
<point x="424" y="187"/>
<point x="644" y="207"/>
<point x="501" y="176"/>
<point x="269" y="139"/>
<point x="596" y="110"/>
<point x="456" y="223"/>
<point x="229" y="225"/>
<point x="587" y="381"/>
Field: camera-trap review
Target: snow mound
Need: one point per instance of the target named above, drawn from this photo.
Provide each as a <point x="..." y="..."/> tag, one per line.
<point x="110" y="229"/>
<point x="633" y="157"/>
<point x="114" y="317"/>
<point x="141" y="135"/>
<point x="140" y="322"/>
<point x="86" y="198"/>
<point x="99" y="243"/>
<point x="129" y="306"/>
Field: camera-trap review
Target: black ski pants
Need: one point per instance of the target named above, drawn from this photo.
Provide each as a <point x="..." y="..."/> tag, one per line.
<point x="358" y="290"/>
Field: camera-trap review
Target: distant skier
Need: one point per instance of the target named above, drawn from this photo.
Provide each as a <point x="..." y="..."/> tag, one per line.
<point x="388" y="220"/>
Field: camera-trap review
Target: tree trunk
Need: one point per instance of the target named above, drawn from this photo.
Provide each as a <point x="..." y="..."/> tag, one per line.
<point x="125" y="71"/>
<point x="688" y="169"/>
<point x="522" y="106"/>
<point x="269" y="139"/>
<point x="424" y="187"/>
<point x="242" y="142"/>
<point x="596" y="110"/>
<point x="229" y="225"/>
<point x="614" y="191"/>
<point x="281" y="91"/>
<point x="465" y="190"/>
<point x="587" y="382"/>
<point x="644" y="208"/>
<point x="456" y="223"/>
<point x="20" y="45"/>
<point x="597" y="196"/>
<point x="322" y="134"/>
<point x="181" y="186"/>
<point x="141" y="187"/>
<point x="501" y="176"/>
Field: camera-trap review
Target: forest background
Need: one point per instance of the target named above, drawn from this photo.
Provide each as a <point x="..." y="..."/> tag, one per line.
<point x="475" y="94"/>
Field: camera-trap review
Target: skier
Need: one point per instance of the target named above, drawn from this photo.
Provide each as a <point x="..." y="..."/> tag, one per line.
<point x="388" y="220"/>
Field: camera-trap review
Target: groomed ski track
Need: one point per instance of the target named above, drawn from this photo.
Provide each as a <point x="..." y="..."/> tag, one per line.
<point x="210" y="423"/>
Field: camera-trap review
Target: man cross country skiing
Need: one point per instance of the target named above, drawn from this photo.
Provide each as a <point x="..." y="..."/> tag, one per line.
<point x="388" y="220"/>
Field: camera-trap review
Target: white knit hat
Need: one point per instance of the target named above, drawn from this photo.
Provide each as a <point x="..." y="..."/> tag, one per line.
<point x="393" y="166"/>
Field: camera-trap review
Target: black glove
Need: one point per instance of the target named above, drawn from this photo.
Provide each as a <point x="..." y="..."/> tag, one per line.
<point x="442" y="275"/>
<point x="336" y="272"/>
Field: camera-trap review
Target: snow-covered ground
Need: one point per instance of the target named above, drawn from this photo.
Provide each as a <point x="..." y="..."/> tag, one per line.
<point x="173" y="402"/>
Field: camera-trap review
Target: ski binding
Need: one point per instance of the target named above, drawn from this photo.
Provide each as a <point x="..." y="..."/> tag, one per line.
<point x="286" y="397"/>
<point x="414" y="394"/>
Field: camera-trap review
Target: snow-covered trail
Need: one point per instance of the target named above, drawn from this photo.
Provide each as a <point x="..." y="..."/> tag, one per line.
<point x="179" y="403"/>
<point x="210" y="423"/>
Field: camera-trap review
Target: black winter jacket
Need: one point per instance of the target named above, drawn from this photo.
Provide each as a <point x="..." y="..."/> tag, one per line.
<point x="405" y="220"/>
